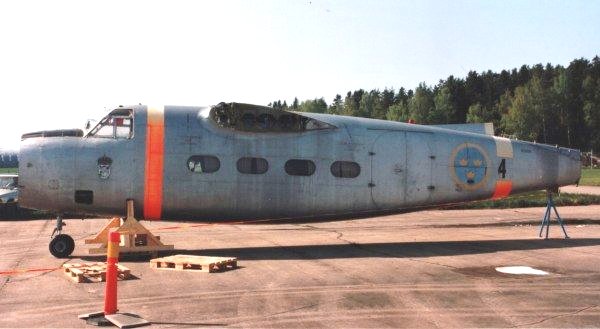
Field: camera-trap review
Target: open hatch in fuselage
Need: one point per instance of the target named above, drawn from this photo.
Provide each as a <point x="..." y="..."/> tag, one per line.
<point x="255" y="118"/>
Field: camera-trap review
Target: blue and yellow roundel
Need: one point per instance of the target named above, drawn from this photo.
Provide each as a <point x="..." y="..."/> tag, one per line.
<point x="468" y="165"/>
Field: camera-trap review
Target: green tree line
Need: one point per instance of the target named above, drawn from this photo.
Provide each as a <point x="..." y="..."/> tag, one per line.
<point x="548" y="104"/>
<point x="8" y="160"/>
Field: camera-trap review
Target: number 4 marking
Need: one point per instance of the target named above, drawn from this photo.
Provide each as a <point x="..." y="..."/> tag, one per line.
<point x="502" y="168"/>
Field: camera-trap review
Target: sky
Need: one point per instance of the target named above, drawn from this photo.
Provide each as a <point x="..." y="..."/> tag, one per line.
<point x="64" y="62"/>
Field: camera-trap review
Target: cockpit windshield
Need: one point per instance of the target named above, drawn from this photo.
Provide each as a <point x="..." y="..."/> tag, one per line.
<point x="118" y="124"/>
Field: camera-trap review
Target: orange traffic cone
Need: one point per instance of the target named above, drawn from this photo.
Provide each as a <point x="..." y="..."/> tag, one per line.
<point x="112" y="258"/>
<point x="110" y="315"/>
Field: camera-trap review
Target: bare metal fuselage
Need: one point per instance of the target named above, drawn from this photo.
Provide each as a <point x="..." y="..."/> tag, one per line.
<point x="401" y="166"/>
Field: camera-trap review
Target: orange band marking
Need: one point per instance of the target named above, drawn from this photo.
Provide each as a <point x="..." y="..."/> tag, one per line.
<point x="502" y="190"/>
<point x="153" y="187"/>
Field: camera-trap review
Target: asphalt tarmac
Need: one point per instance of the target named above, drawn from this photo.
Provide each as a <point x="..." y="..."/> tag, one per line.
<point x="421" y="269"/>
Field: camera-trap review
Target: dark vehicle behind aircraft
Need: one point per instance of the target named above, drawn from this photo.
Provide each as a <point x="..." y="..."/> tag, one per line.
<point x="9" y="194"/>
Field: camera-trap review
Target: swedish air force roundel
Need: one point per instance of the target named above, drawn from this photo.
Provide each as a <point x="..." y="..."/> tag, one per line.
<point x="468" y="166"/>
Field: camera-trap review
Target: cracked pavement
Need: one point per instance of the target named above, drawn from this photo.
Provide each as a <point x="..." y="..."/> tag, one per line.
<point x="433" y="268"/>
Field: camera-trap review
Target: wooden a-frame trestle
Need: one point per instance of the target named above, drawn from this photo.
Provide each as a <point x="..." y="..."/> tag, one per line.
<point x="134" y="236"/>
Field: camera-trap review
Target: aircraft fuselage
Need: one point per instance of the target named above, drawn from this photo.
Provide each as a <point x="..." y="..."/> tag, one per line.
<point x="190" y="163"/>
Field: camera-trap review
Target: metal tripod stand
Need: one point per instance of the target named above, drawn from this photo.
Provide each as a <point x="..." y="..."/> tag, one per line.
<point x="546" y="220"/>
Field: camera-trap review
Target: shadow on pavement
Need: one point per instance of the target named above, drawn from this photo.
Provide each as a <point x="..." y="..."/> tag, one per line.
<point x="392" y="249"/>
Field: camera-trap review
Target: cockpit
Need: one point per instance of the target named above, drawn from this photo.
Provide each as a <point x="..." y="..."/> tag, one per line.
<point x="255" y="118"/>
<point x="117" y="124"/>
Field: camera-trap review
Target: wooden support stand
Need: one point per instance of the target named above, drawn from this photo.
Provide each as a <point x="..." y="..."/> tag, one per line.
<point x="134" y="236"/>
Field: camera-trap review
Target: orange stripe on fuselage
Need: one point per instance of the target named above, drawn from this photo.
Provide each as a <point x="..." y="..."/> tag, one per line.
<point x="153" y="175"/>
<point x="502" y="190"/>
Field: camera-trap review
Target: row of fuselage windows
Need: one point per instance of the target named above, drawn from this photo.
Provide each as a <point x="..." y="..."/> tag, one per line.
<point x="255" y="166"/>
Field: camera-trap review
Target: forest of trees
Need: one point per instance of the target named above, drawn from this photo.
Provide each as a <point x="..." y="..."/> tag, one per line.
<point x="548" y="104"/>
<point x="8" y="160"/>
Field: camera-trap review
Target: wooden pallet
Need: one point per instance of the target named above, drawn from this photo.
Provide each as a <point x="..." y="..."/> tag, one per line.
<point x="93" y="272"/>
<point x="194" y="263"/>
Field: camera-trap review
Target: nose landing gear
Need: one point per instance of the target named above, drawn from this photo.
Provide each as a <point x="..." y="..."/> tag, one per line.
<point x="61" y="245"/>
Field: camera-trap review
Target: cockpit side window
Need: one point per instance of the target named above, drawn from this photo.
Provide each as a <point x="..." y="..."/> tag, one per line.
<point x="118" y="124"/>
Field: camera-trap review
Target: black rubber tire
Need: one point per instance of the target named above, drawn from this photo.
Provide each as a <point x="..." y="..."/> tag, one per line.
<point x="62" y="246"/>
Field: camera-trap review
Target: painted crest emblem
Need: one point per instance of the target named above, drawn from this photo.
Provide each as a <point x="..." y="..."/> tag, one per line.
<point x="468" y="166"/>
<point x="104" y="164"/>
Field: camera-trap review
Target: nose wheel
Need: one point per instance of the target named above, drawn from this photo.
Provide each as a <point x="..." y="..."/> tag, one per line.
<point x="61" y="245"/>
